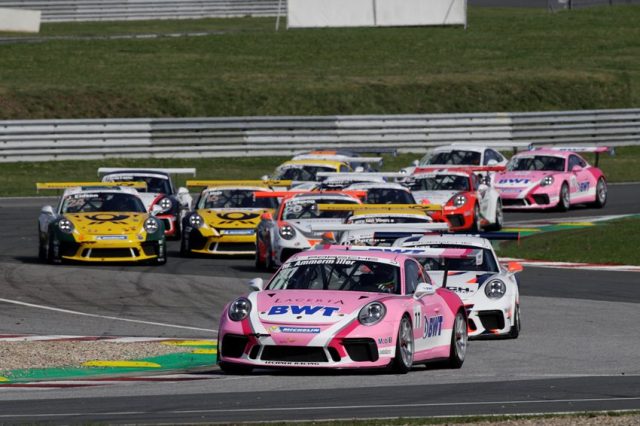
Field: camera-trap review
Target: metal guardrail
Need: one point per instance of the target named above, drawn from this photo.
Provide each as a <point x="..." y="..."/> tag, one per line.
<point x="48" y="140"/>
<point x="124" y="10"/>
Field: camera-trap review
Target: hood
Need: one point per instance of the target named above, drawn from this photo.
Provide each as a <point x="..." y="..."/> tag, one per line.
<point x="232" y="218"/>
<point x="107" y="223"/>
<point x="304" y="225"/>
<point x="305" y="307"/>
<point x="464" y="284"/>
<point x="434" y="197"/>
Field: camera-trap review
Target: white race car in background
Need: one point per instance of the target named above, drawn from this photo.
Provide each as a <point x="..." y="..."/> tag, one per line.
<point x="160" y="191"/>
<point x="488" y="289"/>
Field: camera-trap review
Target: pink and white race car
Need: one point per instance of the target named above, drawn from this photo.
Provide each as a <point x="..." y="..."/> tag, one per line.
<point x="344" y="307"/>
<point x="552" y="177"/>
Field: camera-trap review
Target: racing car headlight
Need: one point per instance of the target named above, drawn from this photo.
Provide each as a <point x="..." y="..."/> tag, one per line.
<point x="196" y="221"/>
<point x="372" y="313"/>
<point x="287" y="232"/>
<point x="495" y="289"/>
<point x="239" y="309"/>
<point x="66" y="226"/>
<point x="459" y="200"/>
<point x="166" y="204"/>
<point x="548" y="180"/>
<point x="151" y="225"/>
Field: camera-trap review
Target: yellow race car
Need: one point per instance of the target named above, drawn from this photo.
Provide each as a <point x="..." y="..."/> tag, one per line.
<point x="225" y="217"/>
<point x="100" y="222"/>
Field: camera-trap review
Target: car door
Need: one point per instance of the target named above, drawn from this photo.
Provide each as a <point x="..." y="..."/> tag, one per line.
<point x="581" y="177"/>
<point x="427" y="318"/>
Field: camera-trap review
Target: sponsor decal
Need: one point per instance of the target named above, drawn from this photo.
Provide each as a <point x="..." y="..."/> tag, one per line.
<point x="432" y="326"/>
<point x="385" y="351"/>
<point x="463" y="290"/>
<point x="514" y="181"/>
<point x="81" y="196"/>
<point x="291" y="363"/>
<point x="107" y="217"/>
<point x="304" y="310"/>
<point x="385" y="340"/>
<point x="302" y="330"/>
<point x="583" y="186"/>
<point x="237" y="232"/>
<point x="310" y="301"/>
<point x="242" y="217"/>
<point x="111" y="237"/>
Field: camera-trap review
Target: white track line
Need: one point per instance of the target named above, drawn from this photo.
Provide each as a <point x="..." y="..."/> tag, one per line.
<point x="67" y="311"/>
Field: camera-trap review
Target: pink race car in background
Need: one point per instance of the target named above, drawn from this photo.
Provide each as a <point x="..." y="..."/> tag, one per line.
<point x="344" y="307"/>
<point x="552" y="178"/>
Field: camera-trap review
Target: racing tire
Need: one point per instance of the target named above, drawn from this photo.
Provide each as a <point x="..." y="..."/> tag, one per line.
<point x="53" y="258"/>
<point x="260" y="265"/>
<point x="515" y="328"/>
<point x="497" y="225"/>
<point x="601" y="194"/>
<point x="459" y="341"/>
<point x="231" y="368"/>
<point x="42" y="248"/>
<point x="565" y="201"/>
<point x="404" y="347"/>
<point x="268" y="261"/>
<point x="475" y="227"/>
<point x="185" y="250"/>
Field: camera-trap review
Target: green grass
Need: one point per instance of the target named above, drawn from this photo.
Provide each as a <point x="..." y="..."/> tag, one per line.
<point x="614" y="242"/>
<point x="19" y="178"/>
<point x="508" y="60"/>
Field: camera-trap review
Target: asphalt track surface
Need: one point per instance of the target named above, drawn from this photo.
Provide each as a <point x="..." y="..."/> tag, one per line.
<point x="578" y="349"/>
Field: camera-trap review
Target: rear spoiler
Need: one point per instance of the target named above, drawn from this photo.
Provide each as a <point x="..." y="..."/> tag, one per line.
<point x="361" y="175"/>
<point x="213" y="183"/>
<point x="493" y="236"/>
<point x="378" y="207"/>
<point x="457" y="168"/>
<point x="597" y="150"/>
<point x="292" y="193"/>
<point x="419" y="253"/>
<point x="65" y="185"/>
<point x="338" y="157"/>
<point x="183" y="171"/>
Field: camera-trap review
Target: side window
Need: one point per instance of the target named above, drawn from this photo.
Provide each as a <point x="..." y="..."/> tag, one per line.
<point x="574" y="160"/>
<point x="412" y="275"/>
<point x="489" y="155"/>
<point x="344" y="169"/>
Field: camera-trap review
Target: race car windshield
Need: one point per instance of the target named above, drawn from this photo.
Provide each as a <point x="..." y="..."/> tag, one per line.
<point x="440" y="183"/>
<point x="458" y="157"/>
<point x="337" y="273"/>
<point x="302" y="173"/>
<point x="538" y="162"/>
<point x="389" y="196"/>
<point x="235" y="198"/>
<point x="154" y="185"/>
<point x="488" y="264"/>
<point x="308" y="209"/>
<point x="102" y="202"/>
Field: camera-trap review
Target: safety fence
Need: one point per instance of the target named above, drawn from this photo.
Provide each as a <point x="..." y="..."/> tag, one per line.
<point x="123" y="10"/>
<point x="47" y="140"/>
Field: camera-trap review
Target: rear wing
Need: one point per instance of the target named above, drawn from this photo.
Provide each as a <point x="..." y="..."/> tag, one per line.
<point x="338" y="157"/>
<point x="95" y="185"/>
<point x="357" y="208"/>
<point x="597" y="150"/>
<point x="493" y="236"/>
<point x="413" y="228"/>
<point x="170" y="171"/>
<point x="214" y="183"/>
<point x="361" y="175"/>
<point x="457" y="168"/>
<point x="497" y="145"/>
<point x="289" y="194"/>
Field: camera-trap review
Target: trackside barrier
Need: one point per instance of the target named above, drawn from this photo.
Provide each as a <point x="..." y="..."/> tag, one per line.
<point x="47" y="140"/>
<point x="127" y="10"/>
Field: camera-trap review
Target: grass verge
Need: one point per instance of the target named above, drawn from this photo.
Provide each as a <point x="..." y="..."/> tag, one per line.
<point x="19" y="179"/>
<point x="612" y="242"/>
<point x="508" y="60"/>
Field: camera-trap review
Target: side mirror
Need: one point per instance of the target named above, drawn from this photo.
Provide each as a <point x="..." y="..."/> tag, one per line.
<point x="416" y="163"/>
<point x="156" y="209"/>
<point x="48" y="210"/>
<point x="256" y="284"/>
<point x="424" y="289"/>
<point x="514" y="267"/>
<point x="267" y="216"/>
<point x="576" y="168"/>
<point x="359" y="169"/>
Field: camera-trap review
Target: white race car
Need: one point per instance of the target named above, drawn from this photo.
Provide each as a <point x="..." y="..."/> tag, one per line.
<point x="488" y="289"/>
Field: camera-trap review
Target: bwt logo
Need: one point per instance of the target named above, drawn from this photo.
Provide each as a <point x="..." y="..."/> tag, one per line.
<point x="433" y="326"/>
<point x="327" y="311"/>
<point x="515" y="181"/>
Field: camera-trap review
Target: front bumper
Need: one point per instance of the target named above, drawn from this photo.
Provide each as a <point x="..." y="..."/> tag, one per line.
<point x="459" y="219"/>
<point x="486" y="323"/>
<point x="537" y="198"/>
<point x="111" y="251"/>
<point x="221" y="244"/>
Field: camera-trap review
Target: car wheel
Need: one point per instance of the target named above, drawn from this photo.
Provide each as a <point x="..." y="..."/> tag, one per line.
<point x="497" y="225"/>
<point x="42" y="248"/>
<point x="53" y="255"/>
<point x="185" y="250"/>
<point x="404" y="347"/>
<point x="565" y="202"/>
<point x="601" y="193"/>
<point x="260" y="265"/>
<point x="515" y="328"/>
<point x="268" y="260"/>
<point x="459" y="340"/>
<point x="476" y="219"/>
<point x="231" y="368"/>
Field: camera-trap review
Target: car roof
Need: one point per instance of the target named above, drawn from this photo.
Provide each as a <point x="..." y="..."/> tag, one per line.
<point x="548" y="152"/>
<point x="461" y="147"/>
